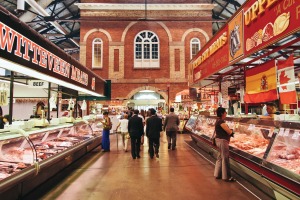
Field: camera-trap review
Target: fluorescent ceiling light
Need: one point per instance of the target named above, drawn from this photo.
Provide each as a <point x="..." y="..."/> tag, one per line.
<point x="15" y="83"/>
<point x="146" y="91"/>
<point x="32" y="73"/>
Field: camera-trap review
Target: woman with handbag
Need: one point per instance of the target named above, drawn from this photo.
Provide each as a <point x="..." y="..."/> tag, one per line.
<point x="105" y="133"/>
<point x="223" y="134"/>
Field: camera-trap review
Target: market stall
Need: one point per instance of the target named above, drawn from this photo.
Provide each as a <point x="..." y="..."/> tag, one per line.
<point x="253" y="60"/>
<point x="33" y="150"/>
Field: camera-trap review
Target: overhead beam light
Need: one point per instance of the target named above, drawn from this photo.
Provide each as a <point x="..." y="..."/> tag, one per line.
<point x="21" y="5"/>
<point x="32" y="73"/>
<point x="15" y="83"/>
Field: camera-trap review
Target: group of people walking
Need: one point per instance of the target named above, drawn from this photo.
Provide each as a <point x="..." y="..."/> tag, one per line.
<point x="135" y="127"/>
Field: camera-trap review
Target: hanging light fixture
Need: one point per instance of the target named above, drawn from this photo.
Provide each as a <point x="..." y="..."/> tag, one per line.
<point x="21" y="5"/>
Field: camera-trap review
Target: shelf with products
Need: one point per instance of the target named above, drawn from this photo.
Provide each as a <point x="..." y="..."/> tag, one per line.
<point x="40" y="153"/>
<point x="269" y="148"/>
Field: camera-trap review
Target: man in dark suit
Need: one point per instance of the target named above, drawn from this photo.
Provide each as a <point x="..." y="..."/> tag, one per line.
<point x="153" y="129"/>
<point x="135" y="129"/>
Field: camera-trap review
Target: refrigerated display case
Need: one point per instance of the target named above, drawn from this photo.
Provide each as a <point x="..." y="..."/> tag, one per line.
<point x="266" y="152"/>
<point x="29" y="158"/>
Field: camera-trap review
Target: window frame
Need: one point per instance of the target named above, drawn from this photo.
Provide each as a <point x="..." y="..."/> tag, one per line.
<point x="192" y="42"/>
<point x="153" y="59"/>
<point x="93" y="53"/>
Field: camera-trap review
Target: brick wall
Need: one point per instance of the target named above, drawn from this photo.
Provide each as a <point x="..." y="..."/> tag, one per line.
<point x="118" y="51"/>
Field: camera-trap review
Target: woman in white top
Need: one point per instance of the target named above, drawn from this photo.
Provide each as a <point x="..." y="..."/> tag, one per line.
<point x="124" y="131"/>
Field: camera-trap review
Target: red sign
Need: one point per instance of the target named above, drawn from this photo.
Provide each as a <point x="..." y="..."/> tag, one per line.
<point x="268" y="21"/>
<point x="257" y="24"/>
<point x="213" y="58"/>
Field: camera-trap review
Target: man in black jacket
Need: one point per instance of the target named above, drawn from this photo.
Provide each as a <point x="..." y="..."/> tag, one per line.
<point x="153" y="129"/>
<point x="135" y="129"/>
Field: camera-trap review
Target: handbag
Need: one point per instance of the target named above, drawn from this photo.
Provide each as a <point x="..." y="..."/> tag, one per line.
<point x="107" y="125"/>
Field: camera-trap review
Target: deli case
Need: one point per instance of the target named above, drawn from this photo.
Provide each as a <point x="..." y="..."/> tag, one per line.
<point x="264" y="152"/>
<point x="29" y="158"/>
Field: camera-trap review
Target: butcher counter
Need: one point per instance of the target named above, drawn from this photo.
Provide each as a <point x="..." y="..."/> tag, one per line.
<point x="29" y="158"/>
<point x="264" y="152"/>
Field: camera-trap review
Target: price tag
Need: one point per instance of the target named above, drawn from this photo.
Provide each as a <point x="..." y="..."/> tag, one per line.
<point x="250" y="127"/>
<point x="286" y="132"/>
<point x="281" y="131"/>
<point x="28" y="158"/>
<point x="296" y="135"/>
<point x="237" y="125"/>
<point x="270" y="134"/>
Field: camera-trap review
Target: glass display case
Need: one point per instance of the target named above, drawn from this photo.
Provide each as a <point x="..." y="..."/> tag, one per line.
<point x="265" y="144"/>
<point x="16" y="153"/>
<point x="20" y="149"/>
<point x="191" y="123"/>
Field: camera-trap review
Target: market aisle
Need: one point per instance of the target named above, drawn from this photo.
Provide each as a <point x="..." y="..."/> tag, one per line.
<point x="179" y="174"/>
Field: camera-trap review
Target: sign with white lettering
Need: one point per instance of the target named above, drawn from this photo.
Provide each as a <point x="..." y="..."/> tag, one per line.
<point x="37" y="84"/>
<point x="27" y="48"/>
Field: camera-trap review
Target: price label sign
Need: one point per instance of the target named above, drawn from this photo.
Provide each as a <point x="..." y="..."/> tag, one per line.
<point x="281" y="131"/>
<point x="270" y="134"/>
<point x="286" y="132"/>
<point x="296" y="135"/>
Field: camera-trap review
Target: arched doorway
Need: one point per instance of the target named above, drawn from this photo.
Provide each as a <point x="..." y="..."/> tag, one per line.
<point x="146" y="97"/>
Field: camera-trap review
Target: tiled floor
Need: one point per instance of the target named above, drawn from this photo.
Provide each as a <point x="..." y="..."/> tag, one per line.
<point x="177" y="175"/>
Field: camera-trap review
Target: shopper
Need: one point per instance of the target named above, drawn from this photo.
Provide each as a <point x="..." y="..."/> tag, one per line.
<point x="3" y="121"/>
<point x="135" y="128"/>
<point x="142" y="115"/>
<point x="105" y="133"/>
<point x="153" y="129"/>
<point x="223" y="134"/>
<point x="171" y="124"/>
<point x="123" y="124"/>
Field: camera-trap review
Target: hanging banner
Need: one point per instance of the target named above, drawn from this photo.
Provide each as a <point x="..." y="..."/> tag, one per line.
<point x="286" y="79"/>
<point x="261" y="84"/>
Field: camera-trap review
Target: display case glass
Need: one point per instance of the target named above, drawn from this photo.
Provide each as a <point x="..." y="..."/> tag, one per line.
<point x="16" y="153"/>
<point x="191" y="122"/>
<point x="272" y="144"/>
<point x="20" y="149"/>
<point x="284" y="153"/>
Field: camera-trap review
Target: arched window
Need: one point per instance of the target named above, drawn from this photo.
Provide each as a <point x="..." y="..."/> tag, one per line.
<point x="195" y="46"/>
<point x="146" y="50"/>
<point x="97" y="53"/>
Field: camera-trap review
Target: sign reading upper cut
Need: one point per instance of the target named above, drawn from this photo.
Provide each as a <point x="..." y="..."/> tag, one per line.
<point x="257" y="24"/>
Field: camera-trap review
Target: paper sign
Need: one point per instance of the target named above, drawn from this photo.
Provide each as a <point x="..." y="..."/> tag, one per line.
<point x="281" y="131"/>
<point x="296" y="135"/>
<point x="286" y="132"/>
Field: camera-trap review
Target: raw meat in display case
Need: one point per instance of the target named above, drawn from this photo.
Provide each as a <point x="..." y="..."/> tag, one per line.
<point x="15" y="154"/>
<point x="250" y="140"/>
<point x="285" y="151"/>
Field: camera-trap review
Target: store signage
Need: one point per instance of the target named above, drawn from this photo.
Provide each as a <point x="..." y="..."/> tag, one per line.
<point x="257" y="24"/>
<point x="213" y="58"/>
<point x="17" y="44"/>
<point x="268" y="21"/>
<point x="37" y="84"/>
<point x="23" y="46"/>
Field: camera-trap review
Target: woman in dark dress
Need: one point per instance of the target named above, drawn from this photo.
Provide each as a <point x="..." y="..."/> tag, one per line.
<point x="105" y="133"/>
